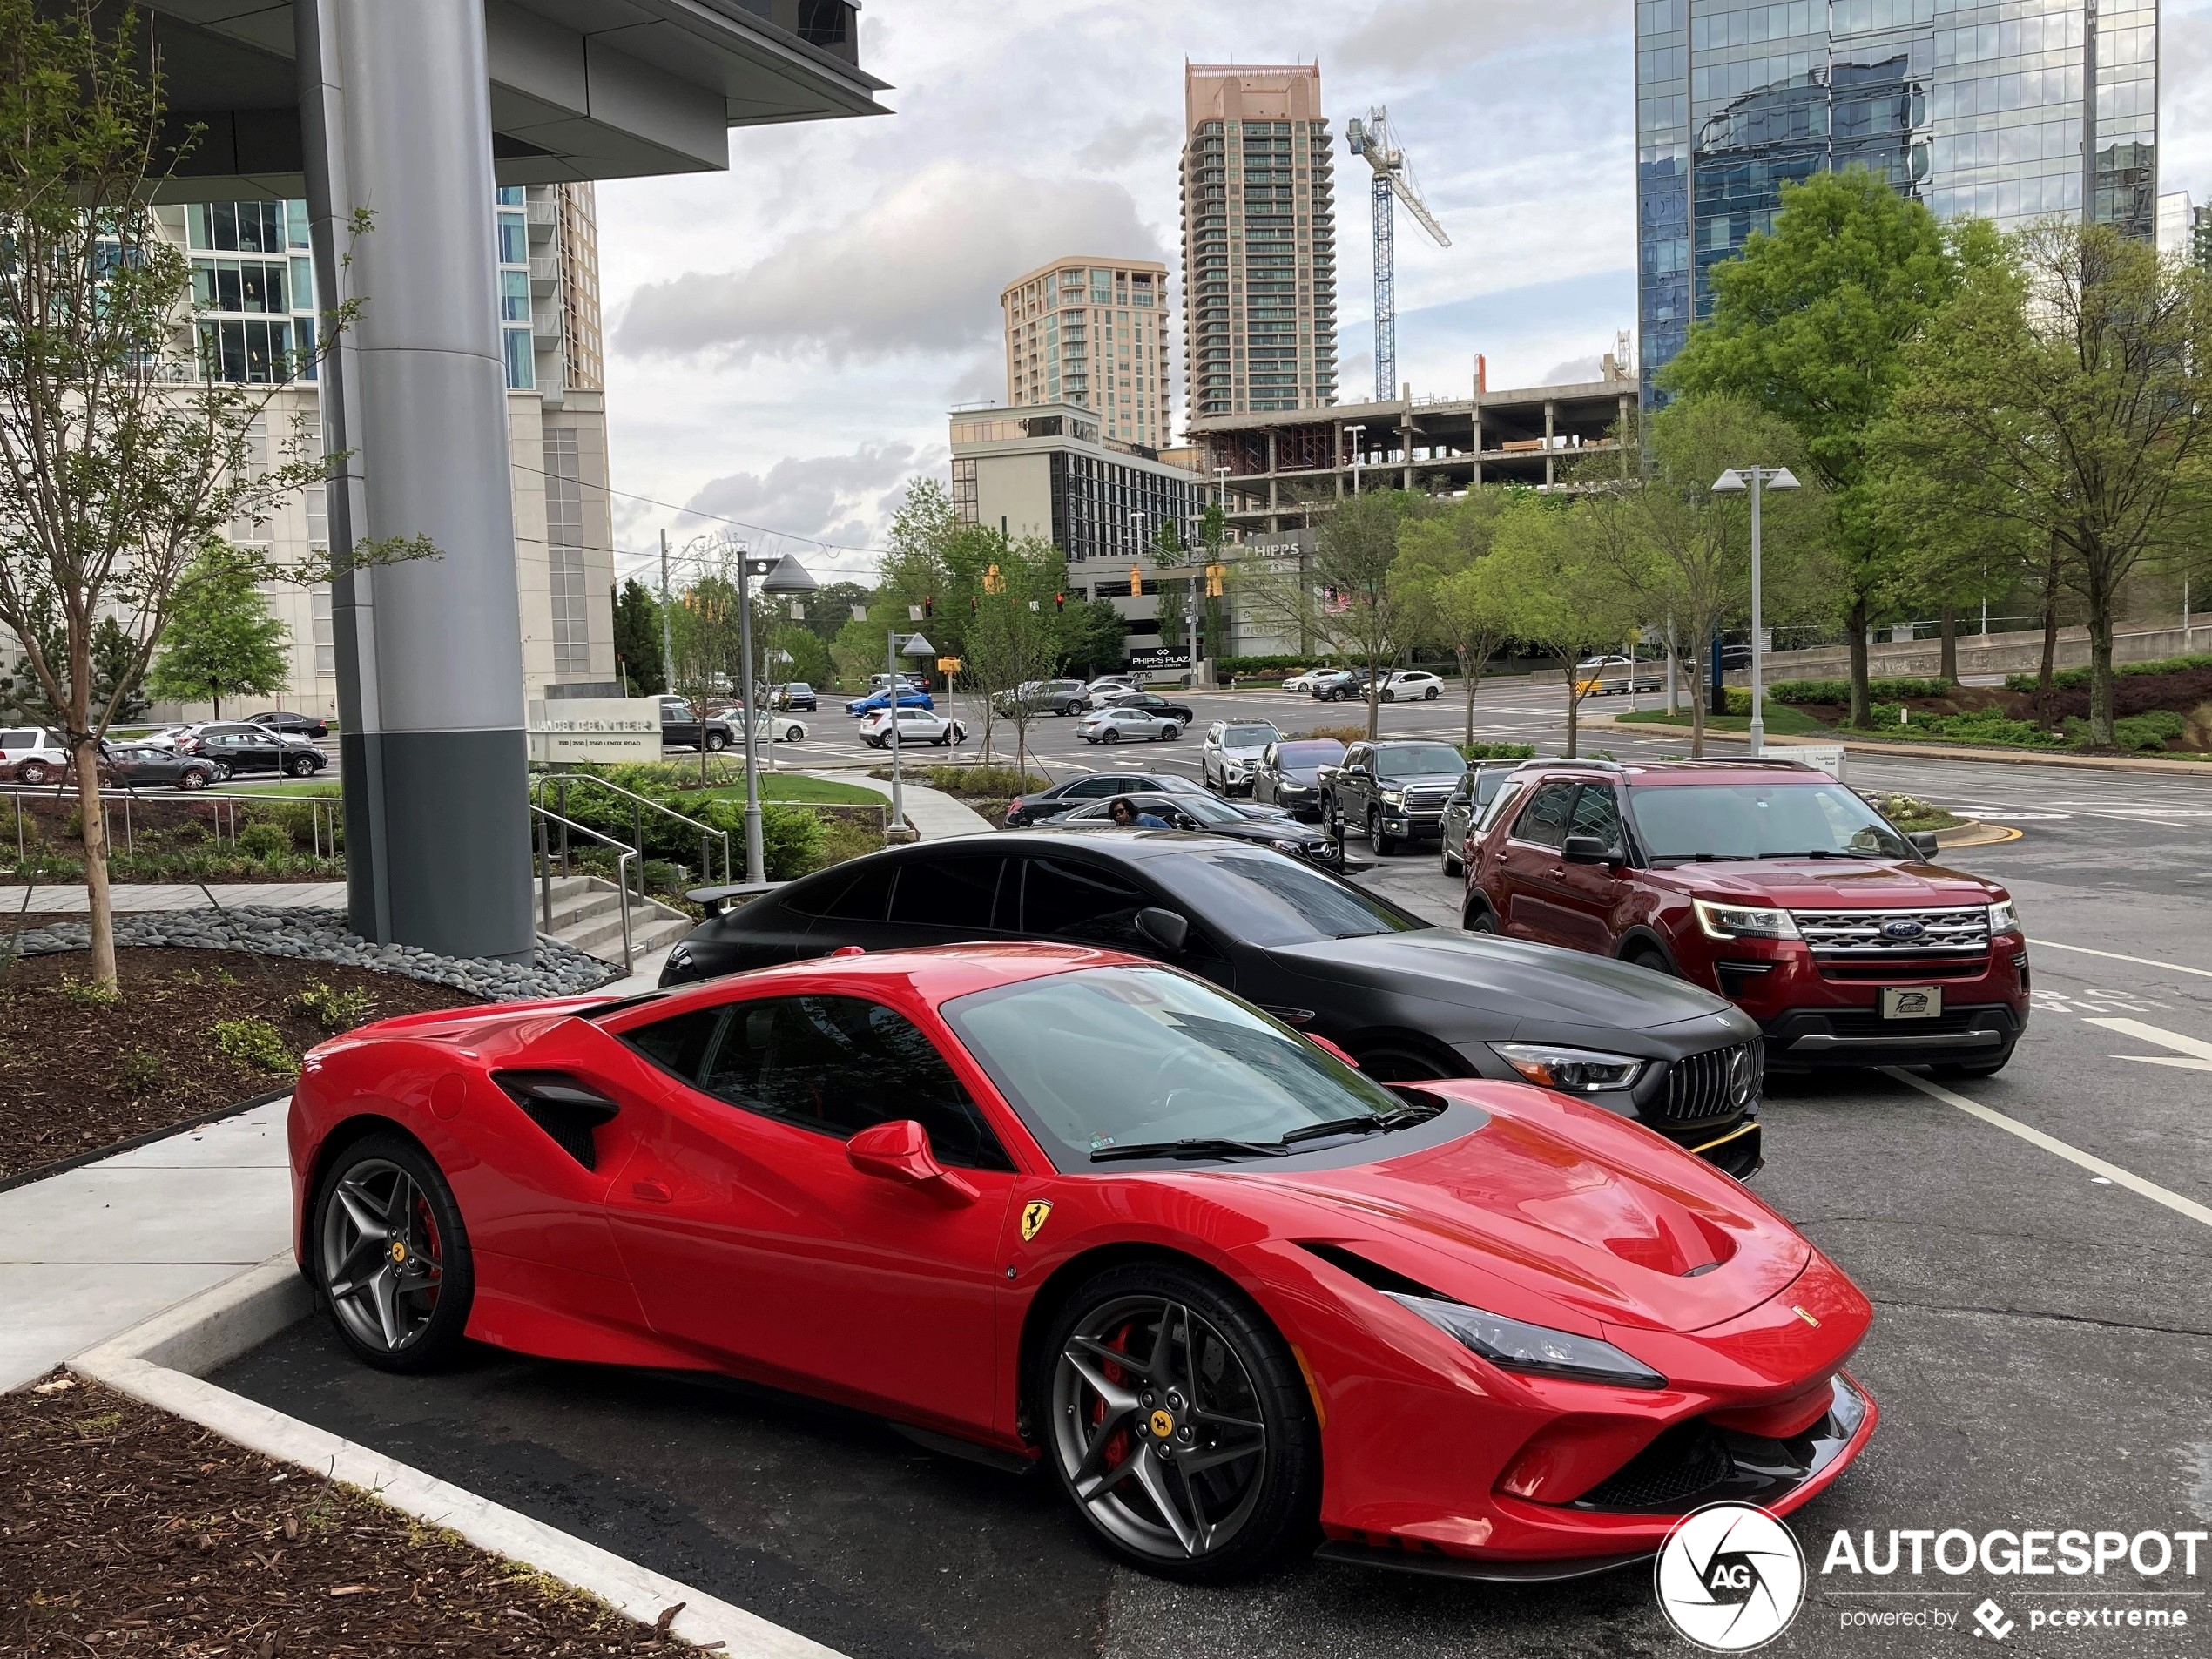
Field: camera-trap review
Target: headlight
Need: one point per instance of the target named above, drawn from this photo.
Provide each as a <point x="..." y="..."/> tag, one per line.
<point x="680" y="956"/>
<point x="1288" y="847"/>
<point x="2004" y="917"/>
<point x="1744" y="921"/>
<point x="1393" y="797"/>
<point x="1574" y="1071"/>
<point x="1513" y="1344"/>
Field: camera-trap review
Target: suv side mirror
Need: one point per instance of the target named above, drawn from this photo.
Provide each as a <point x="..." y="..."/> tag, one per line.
<point x="1588" y="849"/>
<point x="1923" y="842"/>
<point x="899" y="1151"/>
<point x="1357" y="769"/>
<point x="1163" y="928"/>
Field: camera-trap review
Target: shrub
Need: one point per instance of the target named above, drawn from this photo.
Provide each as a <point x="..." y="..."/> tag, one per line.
<point x="89" y="993"/>
<point x="1975" y="725"/>
<point x="1884" y="690"/>
<point x="331" y="1008"/>
<point x="139" y="1072"/>
<point x="1346" y="734"/>
<point x="1498" y="750"/>
<point x="1277" y="664"/>
<point x="298" y="822"/>
<point x="255" y="1043"/>
<point x="980" y="783"/>
<point x="2198" y="732"/>
<point x="2077" y="680"/>
<point x="264" y="841"/>
<point x="2152" y="730"/>
<point x="842" y="838"/>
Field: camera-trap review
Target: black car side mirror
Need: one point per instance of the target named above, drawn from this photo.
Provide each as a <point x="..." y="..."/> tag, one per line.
<point x="1165" y="928"/>
<point x="1923" y="842"/>
<point x="1356" y="771"/>
<point x="1588" y="849"/>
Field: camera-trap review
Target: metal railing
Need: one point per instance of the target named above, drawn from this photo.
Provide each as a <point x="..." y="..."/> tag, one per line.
<point x="638" y="804"/>
<point x="223" y="817"/>
<point x="544" y="822"/>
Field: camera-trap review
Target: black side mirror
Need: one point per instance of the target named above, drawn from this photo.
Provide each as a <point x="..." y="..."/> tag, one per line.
<point x="1588" y="849"/>
<point x="1165" y="928"/>
<point x="1924" y="842"/>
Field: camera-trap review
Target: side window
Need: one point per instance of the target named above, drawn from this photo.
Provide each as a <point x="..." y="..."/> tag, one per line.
<point x="1356" y="756"/>
<point x="1597" y="813"/>
<point x="680" y="1044"/>
<point x="869" y="897"/>
<point x="1083" y="904"/>
<point x="1544" y="819"/>
<point x="955" y="893"/>
<point x="1095" y="788"/>
<point x="839" y="1064"/>
<point x="1464" y="789"/>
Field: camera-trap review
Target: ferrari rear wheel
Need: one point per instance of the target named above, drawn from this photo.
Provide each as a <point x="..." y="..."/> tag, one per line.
<point x="1180" y="1424"/>
<point x="391" y="1256"/>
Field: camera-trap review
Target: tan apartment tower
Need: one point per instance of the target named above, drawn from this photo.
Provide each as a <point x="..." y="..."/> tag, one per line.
<point x="1094" y="333"/>
<point x="1259" y="250"/>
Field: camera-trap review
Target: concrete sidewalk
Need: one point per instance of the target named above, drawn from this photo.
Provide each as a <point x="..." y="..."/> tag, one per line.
<point x="64" y="898"/>
<point x="934" y="815"/>
<point x="86" y="1254"/>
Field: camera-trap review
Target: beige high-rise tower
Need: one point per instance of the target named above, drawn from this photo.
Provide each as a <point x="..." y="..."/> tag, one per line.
<point x="1094" y="333"/>
<point x="1259" y="276"/>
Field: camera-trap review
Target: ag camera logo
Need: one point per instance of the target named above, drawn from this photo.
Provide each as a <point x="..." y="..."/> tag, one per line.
<point x="1730" y="1577"/>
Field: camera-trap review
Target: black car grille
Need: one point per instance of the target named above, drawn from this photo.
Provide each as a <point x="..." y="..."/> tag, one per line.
<point x="1683" y="1461"/>
<point x="1717" y="1083"/>
<point x="1430" y="799"/>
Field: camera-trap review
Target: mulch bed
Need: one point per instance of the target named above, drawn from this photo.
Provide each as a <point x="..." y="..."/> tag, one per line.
<point x="77" y="1076"/>
<point x="2184" y="691"/>
<point x="125" y="1530"/>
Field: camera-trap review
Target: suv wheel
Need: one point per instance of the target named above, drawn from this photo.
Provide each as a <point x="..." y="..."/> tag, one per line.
<point x="1381" y="841"/>
<point x="716" y="742"/>
<point x="1479" y="919"/>
<point x="1649" y="956"/>
<point x="32" y="771"/>
<point x="300" y="765"/>
<point x="1429" y="696"/>
<point x="1452" y="865"/>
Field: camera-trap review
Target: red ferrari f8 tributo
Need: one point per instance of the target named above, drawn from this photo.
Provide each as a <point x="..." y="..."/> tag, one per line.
<point x="1068" y="1205"/>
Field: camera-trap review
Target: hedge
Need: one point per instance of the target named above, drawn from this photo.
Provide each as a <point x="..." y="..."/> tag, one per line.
<point x="1885" y="691"/>
<point x="2077" y="680"/>
<point x="1498" y="751"/>
<point x="1265" y="664"/>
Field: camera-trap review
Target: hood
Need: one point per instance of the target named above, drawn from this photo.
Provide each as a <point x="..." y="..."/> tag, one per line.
<point x="1814" y="884"/>
<point x="1478" y="988"/>
<point x="1536" y="1204"/>
<point x="1303" y="774"/>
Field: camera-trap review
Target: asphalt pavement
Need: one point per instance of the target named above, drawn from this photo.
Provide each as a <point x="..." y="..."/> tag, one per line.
<point x="2038" y="1245"/>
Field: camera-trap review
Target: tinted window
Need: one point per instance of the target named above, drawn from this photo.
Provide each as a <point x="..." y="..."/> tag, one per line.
<point x="1264" y="898"/>
<point x="1306" y="754"/>
<point x="1082" y="903"/>
<point x="1544" y="821"/>
<point x="1092" y="788"/>
<point x="869" y="894"/>
<point x="18" y="739"/>
<point x="680" y="1044"/>
<point x="947" y="893"/>
<point x="1597" y="814"/>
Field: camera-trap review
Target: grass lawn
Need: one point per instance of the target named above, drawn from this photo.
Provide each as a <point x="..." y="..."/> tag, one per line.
<point x="1781" y="721"/>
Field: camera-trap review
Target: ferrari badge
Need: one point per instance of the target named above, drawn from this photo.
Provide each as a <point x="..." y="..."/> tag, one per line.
<point x="1032" y="1219"/>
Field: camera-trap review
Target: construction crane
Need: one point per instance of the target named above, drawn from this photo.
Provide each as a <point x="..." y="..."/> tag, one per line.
<point x="1371" y="140"/>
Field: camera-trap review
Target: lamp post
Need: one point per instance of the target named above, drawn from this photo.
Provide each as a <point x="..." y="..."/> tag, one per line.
<point x="1729" y="481"/>
<point x="1353" y="432"/>
<point x="786" y="575"/>
<point x="918" y="648"/>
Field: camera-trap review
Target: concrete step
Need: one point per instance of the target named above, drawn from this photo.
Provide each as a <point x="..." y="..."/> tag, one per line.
<point x="587" y="916"/>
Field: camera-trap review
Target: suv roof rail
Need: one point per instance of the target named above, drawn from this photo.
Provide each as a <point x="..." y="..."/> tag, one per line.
<point x="1747" y="760"/>
<point x="1575" y="760"/>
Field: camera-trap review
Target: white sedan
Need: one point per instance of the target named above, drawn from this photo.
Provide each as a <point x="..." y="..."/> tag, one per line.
<point x="1411" y="685"/>
<point x="878" y="731"/>
<point x="777" y="728"/>
<point x="1128" y="725"/>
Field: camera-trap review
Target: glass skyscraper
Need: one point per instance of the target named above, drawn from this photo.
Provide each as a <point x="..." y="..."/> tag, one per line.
<point x="2010" y="110"/>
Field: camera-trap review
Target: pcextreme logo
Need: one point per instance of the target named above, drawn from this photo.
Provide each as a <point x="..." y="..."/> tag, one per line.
<point x="1730" y="1577"/>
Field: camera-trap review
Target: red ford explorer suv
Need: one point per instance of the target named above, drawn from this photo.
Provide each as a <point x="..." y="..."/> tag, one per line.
<point x="1772" y="884"/>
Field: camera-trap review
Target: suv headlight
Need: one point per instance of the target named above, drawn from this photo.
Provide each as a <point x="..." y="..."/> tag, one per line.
<point x="1744" y="921"/>
<point x="1574" y="1071"/>
<point x="1393" y="797"/>
<point x="1515" y="1345"/>
<point x="2003" y="918"/>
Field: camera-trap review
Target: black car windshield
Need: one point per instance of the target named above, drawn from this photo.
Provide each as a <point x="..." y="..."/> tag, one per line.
<point x="1419" y="760"/>
<point x="1265" y="898"/>
<point x="1303" y="757"/>
<point x="1108" y="1057"/>
<point x="1248" y="737"/>
<point x="1760" y="820"/>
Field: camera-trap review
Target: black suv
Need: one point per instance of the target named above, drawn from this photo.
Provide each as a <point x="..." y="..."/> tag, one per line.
<point x="1390" y="792"/>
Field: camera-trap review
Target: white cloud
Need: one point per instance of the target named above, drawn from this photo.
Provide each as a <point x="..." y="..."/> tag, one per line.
<point x="840" y="499"/>
<point x="1138" y="143"/>
<point x="1575" y="371"/>
<point x="917" y="269"/>
<point x="1428" y="37"/>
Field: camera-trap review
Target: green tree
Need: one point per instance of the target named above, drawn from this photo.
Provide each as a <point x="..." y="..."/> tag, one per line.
<point x="1174" y="601"/>
<point x="1090" y="637"/>
<point x="1451" y="595"/>
<point x="810" y="657"/>
<point x="115" y="678"/>
<point x="1014" y="638"/>
<point x="222" y="639"/>
<point x="637" y="641"/>
<point x="1811" y="323"/>
<point x="2067" y="391"/>
<point x="1560" y="584"/>
<point x="703" y="622"/>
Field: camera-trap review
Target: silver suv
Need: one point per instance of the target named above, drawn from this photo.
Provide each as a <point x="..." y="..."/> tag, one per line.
<point x="1232" y="749"/>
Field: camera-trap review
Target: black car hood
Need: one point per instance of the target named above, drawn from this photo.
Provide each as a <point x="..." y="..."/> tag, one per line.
<point x="1478" y="988"/>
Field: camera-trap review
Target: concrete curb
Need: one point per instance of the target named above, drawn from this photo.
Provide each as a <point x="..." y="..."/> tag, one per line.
<point x="1975" y="832"/>
<point x="160" y="1361"/>
<point x="1938" y="750"/>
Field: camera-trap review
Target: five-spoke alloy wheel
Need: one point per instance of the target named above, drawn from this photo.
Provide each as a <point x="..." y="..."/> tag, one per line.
<point x="391" y="1256"/>
<point x="1180" y="1424"/>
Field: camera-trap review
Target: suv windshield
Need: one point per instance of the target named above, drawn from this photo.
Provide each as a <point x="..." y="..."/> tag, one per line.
<point x="1109" y="1057"/>
<point x="1248" y="737"/>
<point x="1760" y="820"/>
<point x="1417" y="760"/>
<point x="1264" y="898"/>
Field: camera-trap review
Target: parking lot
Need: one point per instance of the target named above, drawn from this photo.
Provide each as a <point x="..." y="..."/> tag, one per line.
<point x="2042" y="1349"/>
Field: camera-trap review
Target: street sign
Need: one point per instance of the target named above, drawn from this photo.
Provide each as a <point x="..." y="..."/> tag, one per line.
<point x="595" y="728"/>
<point x="1156" y="658"/>
<point x="1825" y="757"/>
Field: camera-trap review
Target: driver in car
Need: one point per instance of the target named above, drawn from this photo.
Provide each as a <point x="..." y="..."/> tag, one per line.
<point x="1127" y="816"/>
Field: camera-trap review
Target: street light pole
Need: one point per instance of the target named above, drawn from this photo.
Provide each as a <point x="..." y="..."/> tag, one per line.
<point x="755" y="870"/>
<point x="1771" y="478"/>
<point x="667" y="639"/>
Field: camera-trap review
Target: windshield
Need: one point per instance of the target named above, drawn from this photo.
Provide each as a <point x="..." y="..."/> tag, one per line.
<point x="1303" y="757"/>
<point x="1248" y="737"/>
<point x="1417" y="760"/>
<point x="1127" y="1056"/>
<point x="1760" y="820"/>
<point x="1264" y="898"/>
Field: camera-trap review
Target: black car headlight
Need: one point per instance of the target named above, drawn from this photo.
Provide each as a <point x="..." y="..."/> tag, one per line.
<point x="1572" y="1071"/>
<point x="1515" y="1345"/>
<point x="1288" y="847"/>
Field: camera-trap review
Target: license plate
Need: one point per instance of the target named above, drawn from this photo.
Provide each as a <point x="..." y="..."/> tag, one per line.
<point x="1911" y="1002"/>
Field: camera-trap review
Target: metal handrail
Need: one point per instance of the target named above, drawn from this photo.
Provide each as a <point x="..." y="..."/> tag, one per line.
<point x="624" y="855"/>
<point x="706" y="868"/>
<point x="224" y="822"/>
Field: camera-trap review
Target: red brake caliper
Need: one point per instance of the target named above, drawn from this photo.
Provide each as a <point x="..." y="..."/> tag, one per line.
<point x="1117" y="1448"/>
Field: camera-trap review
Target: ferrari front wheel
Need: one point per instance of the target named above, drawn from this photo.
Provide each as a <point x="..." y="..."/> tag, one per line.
<point x="391" y="1256"/>
<point x="1180" y="1424"/>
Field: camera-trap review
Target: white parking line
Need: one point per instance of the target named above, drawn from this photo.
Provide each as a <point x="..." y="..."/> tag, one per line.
<point x="2052" y="1144"/>
<point x="2114" y="955"/>
<point x="2198" y="1051"/>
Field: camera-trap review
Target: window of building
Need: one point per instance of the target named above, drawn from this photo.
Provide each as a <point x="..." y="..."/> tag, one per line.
<point x="324" y="631"/>
<point x="565" y="553"/>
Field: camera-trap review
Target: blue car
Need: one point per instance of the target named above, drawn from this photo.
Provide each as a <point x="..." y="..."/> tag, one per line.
<point x="909" y="699"/>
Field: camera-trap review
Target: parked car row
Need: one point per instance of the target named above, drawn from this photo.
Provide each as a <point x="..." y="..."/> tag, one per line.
<point x="180" y="757"/>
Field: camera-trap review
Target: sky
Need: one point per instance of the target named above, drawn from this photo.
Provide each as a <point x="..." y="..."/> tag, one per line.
<point x="785" y="338"/>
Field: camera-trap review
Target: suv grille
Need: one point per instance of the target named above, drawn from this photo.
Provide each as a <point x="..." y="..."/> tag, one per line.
<point x="1870" y="931"/>
<point x="1713" y="1084"/>
<point x="1429" y="799"/>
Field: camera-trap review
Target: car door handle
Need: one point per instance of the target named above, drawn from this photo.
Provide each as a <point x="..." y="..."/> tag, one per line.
<point x="1559" y="869"/>
<point x="651" y="1192"/>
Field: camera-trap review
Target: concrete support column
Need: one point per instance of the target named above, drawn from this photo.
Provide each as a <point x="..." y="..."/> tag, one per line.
<point x="1551" y="413"/>
<point x="396" y="119"/>
<point x="1621" y="431"/>
<point x="1477" y="420"/>
<point x="1405" y="444"/>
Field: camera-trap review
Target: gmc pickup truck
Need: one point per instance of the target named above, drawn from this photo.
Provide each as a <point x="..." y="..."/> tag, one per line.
<point x="1389" y="792"/>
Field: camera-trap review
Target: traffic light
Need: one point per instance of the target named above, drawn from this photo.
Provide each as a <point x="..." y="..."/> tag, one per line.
<point x="1137" y="581"/>
<point x="992" y="582"/>
<point x="1216" y="581"/>
<point x="1059" y="602"/>
<point x="929" y="607"/>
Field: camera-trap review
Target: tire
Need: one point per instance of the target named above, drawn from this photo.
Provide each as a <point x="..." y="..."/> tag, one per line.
<point x="1250" y="1420"/>
<point x="716" y="742"/>
<point x="1390" y="1064"/>
<point x="1479" y="919"/>
<point x="33" y="772"/>
<point x="1429" y="696"/>
<point x="222" y="773"/>
<point x="300" y="766"/>
<point x="1649" y="956"/>
<point x="400" y="1316"/>
<point x="1451" y="867"/>
<point x="1111" y="734"/>
<point x="1384" y="843"/>
<point x="192" y="777"/>
<point x="1390" y="697"/>
<point x="1331" y="826"/>
<point x="1171" y="733"/>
